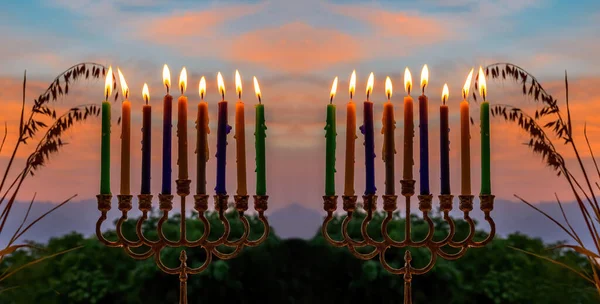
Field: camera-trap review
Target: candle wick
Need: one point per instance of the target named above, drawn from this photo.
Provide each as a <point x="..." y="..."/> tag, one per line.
<point x="259" y="99"/>
<point x="368" y="95"/>
<point x="351" y="95"/>
<point x="240" y="95"/>
<point x="166" y="85"/>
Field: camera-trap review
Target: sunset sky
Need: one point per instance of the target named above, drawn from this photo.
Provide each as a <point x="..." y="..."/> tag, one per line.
<point x="295" y="49"/>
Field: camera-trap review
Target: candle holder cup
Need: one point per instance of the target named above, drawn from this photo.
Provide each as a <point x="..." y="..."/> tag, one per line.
<point x="153" y="248"/>
<point x="436" y="248"/>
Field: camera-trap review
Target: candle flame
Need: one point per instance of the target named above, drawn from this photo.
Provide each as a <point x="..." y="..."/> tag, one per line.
<point x="167" y="77"/>
<point x="238" y="84"/>
<point x="445" y="94"/>
<point x="257" y="90"/>
<point x="124" y="86"/>
<point x="221" y="85"/>
<point x="407" y="81"/>
<point x="370" y="83"/>
<point x="108" y="83"/>
<point x="333" y="89"/>
<point x="482" y="84"/>
<point x="352" y="83"/>
<point x="202" y="87"/>
<point x="424" y="78"/>
<point x="146" y="93"/>
<point x="183" y="80"/>
<point x="465" y="90"/>
<point x="388" y="88"/>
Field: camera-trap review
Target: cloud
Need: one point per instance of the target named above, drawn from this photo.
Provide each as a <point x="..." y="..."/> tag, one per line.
<point x="396" y="24"/>
<point x="295" y="48"/>
<point x="191" y="24"/>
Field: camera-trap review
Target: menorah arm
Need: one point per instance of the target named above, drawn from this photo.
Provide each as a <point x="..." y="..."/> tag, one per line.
<point x="226" y="229"/>
<point x="161" y="235"/>
<point x="364" y="256"/>
<point x="165" y="268"/>
<point x="205" y="234"/>
<point x="227" y="256"/>
<point x="408" y="267"/>
<point x="139" y="230"/>
<point x="347" y="237"/>
<point x="202" y="267"/>
<point x="139" y="256"/>
<point x="491" y="234"/>
<point x="242" y="239"/>
<point x="468" y="239"/>
<point x="122" y="237"/>
<point x="451" y="230"/>
<point x="100" y="235"/>
<point x="451" y="256"/>
<point x="265" y="234"/>
<point x="326" y="235"/>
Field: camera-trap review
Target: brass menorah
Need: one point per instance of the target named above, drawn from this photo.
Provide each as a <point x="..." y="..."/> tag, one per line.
<point x="436" y="248"/>
<point x="166" y="205"/>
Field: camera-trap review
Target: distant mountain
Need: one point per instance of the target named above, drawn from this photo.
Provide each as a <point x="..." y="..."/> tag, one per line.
<point x="296" y="221"/>
<point x="292" y="221"/>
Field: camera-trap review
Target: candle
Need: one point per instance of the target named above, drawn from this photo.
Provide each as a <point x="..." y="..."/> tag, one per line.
<point x="240" y="138"/>
<point x="105" y="143"/>
<point x="167" y="126"/>
<point x="222" y="131"/>
<point x="146" y="141"/>
<point x="367" y="130"/>
<point x="350" y="139"/>
<point x="424" y="135"/>
<point x="409" y="128"/>
<point x="260" y="133"/>
<point x="330" y="134"/>
<point x="125" y="138"/>
<point x="486" y="187"/>
<point x="202" y="140"/>
<point x="389" y="147"/>
<point x="182" y="104"/>
<point x="444" y="144"/>
<point x="465" y="138"/>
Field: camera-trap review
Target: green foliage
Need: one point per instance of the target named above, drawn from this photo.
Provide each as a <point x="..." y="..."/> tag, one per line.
<point x="297" y="271"/>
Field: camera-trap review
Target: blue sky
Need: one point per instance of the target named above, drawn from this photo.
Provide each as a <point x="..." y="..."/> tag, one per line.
<point x="296" y="48"/>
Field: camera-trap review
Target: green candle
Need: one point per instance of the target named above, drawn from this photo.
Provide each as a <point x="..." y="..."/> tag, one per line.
<point x="105" y="145"/>
<point x="260" y="134"/>
<point x="486" y="187"/>
<point x="330" y="134"/>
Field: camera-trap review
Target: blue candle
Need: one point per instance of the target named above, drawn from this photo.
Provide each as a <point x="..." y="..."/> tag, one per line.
<point x="222" y="131"/>
<point x="444" y="144"/>
<point x="424" y="135"/>
<point x="367" y="131"/>
<point x="146" y="141"/>
<point x="167" y="127"/>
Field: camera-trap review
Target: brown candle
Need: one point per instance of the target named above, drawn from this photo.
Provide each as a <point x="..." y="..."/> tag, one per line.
<point x="408" y="128"/>
<point x="240" y="138"/>
<point x="465" y="140"/>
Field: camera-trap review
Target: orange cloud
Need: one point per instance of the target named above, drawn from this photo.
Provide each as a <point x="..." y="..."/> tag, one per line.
<point x="295" y="48"/>
<point x="386" y="23"/>
<point x="191" y="24"/>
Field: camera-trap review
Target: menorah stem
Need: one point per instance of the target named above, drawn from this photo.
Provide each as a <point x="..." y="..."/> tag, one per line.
<point x="407" y="278"/>
<point x="182" y="228"/>
<point x="183" y="277"/>
<point x="407" y="292"/>
<point x="407" y="226"/>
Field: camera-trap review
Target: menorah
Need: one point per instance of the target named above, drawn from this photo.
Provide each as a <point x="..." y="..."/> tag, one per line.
<point x="436" y="248"/>
<point x="166" y="205"/>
